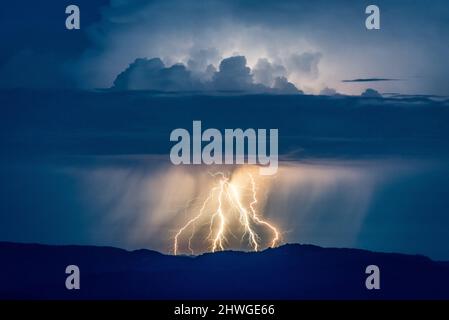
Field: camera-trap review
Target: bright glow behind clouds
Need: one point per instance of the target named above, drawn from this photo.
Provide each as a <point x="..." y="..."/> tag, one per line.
<point x="173" y="30"/>
<point x="320" y="204"/>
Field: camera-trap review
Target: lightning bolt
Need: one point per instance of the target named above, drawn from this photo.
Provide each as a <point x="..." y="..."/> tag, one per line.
<point x="256" y="218"/>
<point x="226" y="198"/>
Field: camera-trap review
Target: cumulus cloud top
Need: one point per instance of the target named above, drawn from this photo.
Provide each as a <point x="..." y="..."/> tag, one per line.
<point x="233" y="74"/>
<point x="371" y="93"/>
<point x="282" y="86"/>
<point x="151" y="74"/>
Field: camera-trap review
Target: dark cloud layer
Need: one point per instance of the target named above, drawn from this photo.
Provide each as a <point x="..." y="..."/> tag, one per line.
<point x="370" y="80"/>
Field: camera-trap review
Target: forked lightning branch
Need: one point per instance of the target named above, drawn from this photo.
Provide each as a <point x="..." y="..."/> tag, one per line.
<point x="230" y="206"/>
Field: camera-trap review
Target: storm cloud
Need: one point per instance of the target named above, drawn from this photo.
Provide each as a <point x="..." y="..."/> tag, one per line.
<point x="319" y="43"/>
<point x="233" y="74"/>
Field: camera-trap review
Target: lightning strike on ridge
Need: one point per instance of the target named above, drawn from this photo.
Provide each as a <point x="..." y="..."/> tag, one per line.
<point x="226" y="202"/>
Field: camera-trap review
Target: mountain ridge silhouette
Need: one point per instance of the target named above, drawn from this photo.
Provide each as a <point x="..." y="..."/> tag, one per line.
<point x="291" y="271"/>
